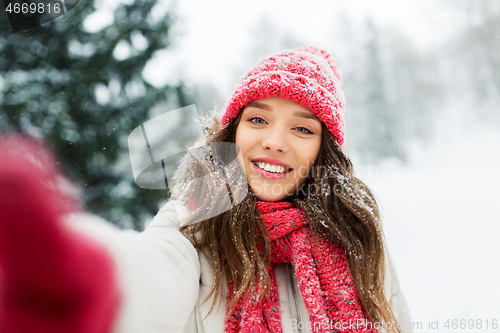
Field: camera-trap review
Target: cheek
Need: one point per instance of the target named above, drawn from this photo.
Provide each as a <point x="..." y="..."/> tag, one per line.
<point x="241" y="161"/>
<point x="310" y="151"/>
<point x="244" y="139"/>
<point x="309" y="155"/>
<point x="242" y="146"/>
<point x="239" y="141"/>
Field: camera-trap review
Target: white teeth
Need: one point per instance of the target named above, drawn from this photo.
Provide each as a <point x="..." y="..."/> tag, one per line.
<point x="271" y="167"/>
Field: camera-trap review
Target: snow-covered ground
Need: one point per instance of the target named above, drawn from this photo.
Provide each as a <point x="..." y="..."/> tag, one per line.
<point x="442" y="227"/>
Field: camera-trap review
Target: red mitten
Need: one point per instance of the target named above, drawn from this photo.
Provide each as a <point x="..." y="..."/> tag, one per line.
<point x="51" y="279"/>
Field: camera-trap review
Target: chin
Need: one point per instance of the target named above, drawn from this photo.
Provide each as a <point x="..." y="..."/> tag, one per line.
<point x="271" y="197"/>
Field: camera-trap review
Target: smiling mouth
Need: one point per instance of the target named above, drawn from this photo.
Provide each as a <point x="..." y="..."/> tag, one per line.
<point x="278" y="169"/>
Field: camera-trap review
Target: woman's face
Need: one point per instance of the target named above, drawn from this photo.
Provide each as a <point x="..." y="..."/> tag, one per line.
<point x="279" y="141"/>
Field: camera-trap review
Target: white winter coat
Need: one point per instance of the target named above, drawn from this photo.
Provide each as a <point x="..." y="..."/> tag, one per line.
<point x="164" y="281"/>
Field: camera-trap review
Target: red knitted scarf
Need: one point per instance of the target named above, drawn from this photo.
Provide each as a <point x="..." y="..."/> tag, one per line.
<point x="323" y="276"/>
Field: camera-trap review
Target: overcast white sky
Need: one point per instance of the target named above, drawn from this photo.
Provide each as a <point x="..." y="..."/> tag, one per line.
<point x="211" y="37"/>
<point x="214" y="35"/>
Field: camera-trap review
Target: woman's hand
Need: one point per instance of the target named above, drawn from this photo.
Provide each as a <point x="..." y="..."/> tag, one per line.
<point x="51" y="279"/>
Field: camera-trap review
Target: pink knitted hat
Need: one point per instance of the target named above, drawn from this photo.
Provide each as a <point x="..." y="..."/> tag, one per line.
<point x="306" y="75"/>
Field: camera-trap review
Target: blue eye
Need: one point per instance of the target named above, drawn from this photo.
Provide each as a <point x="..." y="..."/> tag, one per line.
<point x="255" y="119"/>
<point x="305" y="130"/>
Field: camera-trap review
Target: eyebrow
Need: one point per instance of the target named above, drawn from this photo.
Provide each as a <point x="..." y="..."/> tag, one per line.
<point x="260" y="106"/>
<point x="301" y="114"/>
<point x="305" y="115"/>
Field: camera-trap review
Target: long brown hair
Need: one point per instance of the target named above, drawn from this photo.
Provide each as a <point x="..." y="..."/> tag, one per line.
<point x="341" y="207"/>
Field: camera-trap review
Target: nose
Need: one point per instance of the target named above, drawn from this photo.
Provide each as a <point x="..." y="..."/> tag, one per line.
<point x="275" y="139"/>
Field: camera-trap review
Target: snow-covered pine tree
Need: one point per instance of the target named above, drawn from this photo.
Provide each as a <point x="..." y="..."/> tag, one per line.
<point x="75" y="89"/>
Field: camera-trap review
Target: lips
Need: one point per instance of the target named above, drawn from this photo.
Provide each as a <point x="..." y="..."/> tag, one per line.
<point x="272" y="161"/>
<point x="270" y="175"/>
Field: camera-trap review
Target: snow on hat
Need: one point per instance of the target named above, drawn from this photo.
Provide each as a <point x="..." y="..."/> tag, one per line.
<point x="306" y="75"/>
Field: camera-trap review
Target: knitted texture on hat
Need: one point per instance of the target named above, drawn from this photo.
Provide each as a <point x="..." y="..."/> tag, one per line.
<point x="323" y="276"/>
<point x="308" y="76"/>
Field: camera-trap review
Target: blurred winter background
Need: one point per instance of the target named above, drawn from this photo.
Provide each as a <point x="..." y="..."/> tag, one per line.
<point x="422" y="82"/>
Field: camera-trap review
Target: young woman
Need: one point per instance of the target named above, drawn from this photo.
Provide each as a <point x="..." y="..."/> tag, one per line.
<point x="304" y="250"/>
<point x="267" y="230"/>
